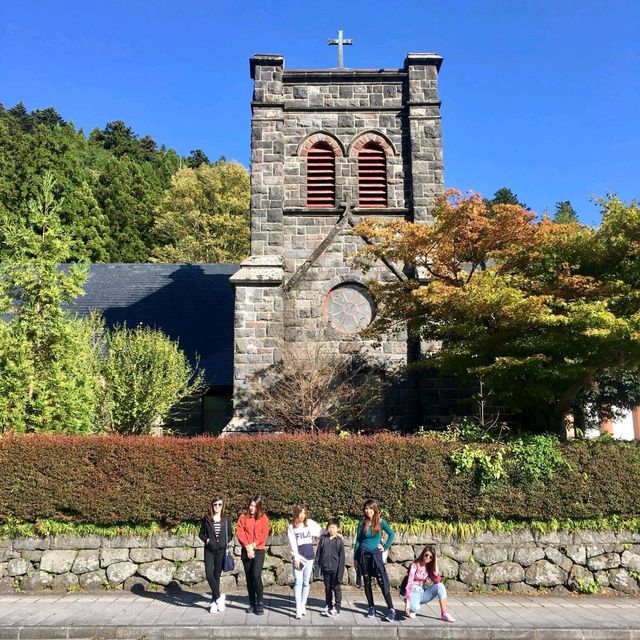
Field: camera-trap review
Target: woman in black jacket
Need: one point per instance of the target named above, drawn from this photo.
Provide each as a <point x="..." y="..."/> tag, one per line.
<point x="216" y="534"/>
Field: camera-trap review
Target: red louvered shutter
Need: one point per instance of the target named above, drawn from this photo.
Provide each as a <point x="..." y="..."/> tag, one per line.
<point x="372" y="176"/>
<point x="321" y="176"/>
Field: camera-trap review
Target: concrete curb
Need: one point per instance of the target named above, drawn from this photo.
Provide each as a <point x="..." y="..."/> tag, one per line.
<point x="241" y="632"/>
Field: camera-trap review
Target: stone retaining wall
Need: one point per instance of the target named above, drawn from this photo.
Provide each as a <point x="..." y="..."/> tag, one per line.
<point x="520" y="562"/>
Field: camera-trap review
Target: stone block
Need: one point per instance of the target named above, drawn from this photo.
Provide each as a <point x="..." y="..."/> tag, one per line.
<point x="448" y="567"/>
<point x="111" y="556"/>
<point x="401" y="553"/>
<point x="135" y="583"/>
<point x="162" y="540"/>
<point x="604" y="561"/>
<point x="18" y="567"/>
<point x="455" y="586"/>
<point x="594" y="537"/>
<point x="150" y="554"/>
<point x="74" y="542"/>
<point x="504" y="572"/>
<point x="521" y="587"/>
<point x="579" y="573"/>
<point x="36" y="581"/>
<point x="460" y="552"/>
<point x="528" y="555"/>
<point x="199" y="554"/>
<point x="119" y="571"/>
<point x="577" y="553"/>
<point x="543" y="573"/>
<point x="280" y="551"/>
<point x="6" y="584"/>
<point x="284" y="577"/>
<point x="268" y="578"/>
<point x="471" y="573"/>
<point x="190" y="572"/>
<point x="87" y="560"/>
<point x="59" y="561"/>
<point x="8" y="554"/>
<point x="160" y="571"/>
<point x="32" y="556"/>
<point x="178" y="554"/>
<point x="93" y="580"/>
<point x="630" y="560"/>
<point x="620" y="580"/>
<point x="488" y="554"/>
<point x="30" y="544"/>
<point x="558" y="558"/>
<point x="396" y="573"/>
<point x="65" y="582"/>
<point x="271" y="562"/>
<point x="227" y="583"/>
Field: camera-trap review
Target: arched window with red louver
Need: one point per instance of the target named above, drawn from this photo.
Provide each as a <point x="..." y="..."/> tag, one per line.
<point x="321" y="176"/>
<point x="372" y="176"/>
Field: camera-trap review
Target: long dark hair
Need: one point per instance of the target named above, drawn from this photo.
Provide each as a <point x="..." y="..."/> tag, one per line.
<point x="297" y="510"/>
<point x="433" y="564"/>
<point x="259" y="508"/>
<point x="211" y="513"/>
<point x="375" y="520"/>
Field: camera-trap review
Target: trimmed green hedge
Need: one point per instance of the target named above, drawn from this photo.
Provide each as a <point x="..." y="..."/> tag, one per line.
<point x="108" y="480"/>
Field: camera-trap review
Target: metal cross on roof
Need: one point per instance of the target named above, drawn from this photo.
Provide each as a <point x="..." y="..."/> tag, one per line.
<point x="340" y="41"/>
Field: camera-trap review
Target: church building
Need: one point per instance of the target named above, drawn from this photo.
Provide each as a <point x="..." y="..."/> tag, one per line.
<point x="330" y="147"/>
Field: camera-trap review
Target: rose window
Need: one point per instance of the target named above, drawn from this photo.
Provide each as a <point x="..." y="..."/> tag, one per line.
<point x="348" y="308"/>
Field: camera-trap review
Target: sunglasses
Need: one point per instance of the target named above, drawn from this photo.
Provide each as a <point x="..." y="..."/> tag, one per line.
<point x="218" y="504"/>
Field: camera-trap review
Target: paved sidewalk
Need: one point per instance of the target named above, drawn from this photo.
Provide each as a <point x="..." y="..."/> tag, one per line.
<point x="182" y="615"/>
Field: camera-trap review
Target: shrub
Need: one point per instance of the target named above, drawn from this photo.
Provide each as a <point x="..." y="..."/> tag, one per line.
<point x="109" y="480"/>
<point x="145" y="374"/>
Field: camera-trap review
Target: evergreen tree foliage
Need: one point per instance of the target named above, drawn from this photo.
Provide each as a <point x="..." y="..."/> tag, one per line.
<point x="48" y="366"/>
<point x="111" y="183"/>
<point x="565" y="213"/>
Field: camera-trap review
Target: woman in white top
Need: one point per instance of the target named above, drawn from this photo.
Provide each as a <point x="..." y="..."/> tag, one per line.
<point x="301" y="532"/>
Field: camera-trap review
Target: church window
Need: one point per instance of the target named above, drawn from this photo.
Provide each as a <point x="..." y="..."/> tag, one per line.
<point x="321" y="176"/>
<point x="372" y="176"/>
<point x="348" y="308"/>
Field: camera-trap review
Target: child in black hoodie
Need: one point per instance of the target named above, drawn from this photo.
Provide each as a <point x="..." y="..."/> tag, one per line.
<point x="330" y="563"/>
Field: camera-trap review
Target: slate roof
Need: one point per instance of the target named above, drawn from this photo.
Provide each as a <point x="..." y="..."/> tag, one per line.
<point x="192" y="303"/>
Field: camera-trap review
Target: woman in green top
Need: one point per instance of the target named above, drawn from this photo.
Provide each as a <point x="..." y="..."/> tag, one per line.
<point x="368" y="550"/>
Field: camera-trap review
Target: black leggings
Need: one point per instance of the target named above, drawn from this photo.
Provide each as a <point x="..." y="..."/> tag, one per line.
<point x="253" y="573"/>
<point x="213" y="568"/>
<point x="369" y="570"/>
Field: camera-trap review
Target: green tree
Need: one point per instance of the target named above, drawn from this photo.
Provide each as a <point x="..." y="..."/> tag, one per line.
<point x="145" y="374"/>
<point x="196" y="158"/>
<point x="537" y="310"/>
<point x="565" y="213"/>
<point x="504" y="195"/>
<point x="48" y="366"/>
<point x="204" y="215"/>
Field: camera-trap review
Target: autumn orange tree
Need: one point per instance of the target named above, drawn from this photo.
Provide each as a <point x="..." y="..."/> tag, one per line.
<point x="542" y="312"/>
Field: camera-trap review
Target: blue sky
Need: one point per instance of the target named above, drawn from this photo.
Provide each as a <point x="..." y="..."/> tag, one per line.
<point x="543" y="97"/>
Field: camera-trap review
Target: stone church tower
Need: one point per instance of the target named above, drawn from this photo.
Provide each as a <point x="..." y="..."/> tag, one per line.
<point x="328" y="148"/>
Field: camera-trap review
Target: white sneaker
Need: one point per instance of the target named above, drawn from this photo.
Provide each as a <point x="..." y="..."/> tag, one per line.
<point x="221" y="602"/>
<point x="213" y="608"/>
<point x="326" y="612"/>
<point x="298" y="614"/>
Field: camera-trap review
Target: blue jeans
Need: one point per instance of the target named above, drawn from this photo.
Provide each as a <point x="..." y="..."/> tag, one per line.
<point x="420" y="595"/>
<point x="301" y="578"/>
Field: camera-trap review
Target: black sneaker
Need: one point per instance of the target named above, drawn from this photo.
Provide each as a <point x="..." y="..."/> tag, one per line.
<point x="259" y="610"/>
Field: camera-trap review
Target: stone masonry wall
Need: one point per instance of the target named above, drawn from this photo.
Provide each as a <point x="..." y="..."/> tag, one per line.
<point x="520" y="562"/>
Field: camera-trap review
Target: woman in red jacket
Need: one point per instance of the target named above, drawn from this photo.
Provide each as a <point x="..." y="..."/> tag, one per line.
<point x="252" y="532"/>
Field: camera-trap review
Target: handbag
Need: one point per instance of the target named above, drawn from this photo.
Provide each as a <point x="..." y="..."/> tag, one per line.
<point x="228" y="563"/>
